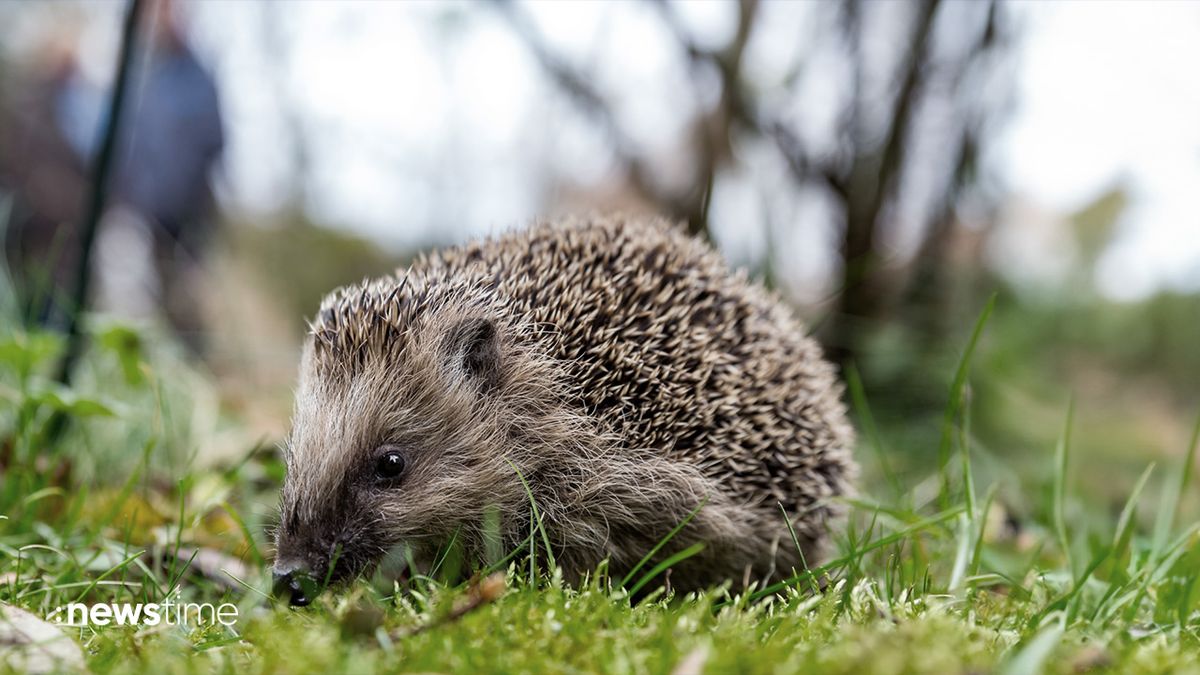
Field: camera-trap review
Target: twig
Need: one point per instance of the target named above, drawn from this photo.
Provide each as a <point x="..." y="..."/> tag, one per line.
<point x="691" y="207"/>
<point x="97" y="195"/>
<point x="480" y="593"/>
<point x="716" y="125"/>
<point x="578" y="89"/>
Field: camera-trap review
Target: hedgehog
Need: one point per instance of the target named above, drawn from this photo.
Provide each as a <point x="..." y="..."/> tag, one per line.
<point x="603" y="386"/>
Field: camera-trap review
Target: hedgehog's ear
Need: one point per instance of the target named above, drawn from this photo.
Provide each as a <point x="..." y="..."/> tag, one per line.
<point x="475" y="351"/>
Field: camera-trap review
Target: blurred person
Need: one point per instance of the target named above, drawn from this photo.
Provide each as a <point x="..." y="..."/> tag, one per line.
<point x="173" y="142"/>
<point x="47" y="118"/>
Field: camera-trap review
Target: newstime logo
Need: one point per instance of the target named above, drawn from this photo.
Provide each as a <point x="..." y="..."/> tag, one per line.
<point x="170" y="612"/>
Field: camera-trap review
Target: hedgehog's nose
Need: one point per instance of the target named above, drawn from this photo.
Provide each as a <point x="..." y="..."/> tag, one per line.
<point x="293" y="581"/>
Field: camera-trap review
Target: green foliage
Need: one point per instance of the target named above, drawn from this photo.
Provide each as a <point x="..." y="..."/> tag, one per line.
<point x="300" y="262"/>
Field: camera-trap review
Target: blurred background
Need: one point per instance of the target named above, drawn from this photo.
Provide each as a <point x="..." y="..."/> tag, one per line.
<point x="885" y="166"/>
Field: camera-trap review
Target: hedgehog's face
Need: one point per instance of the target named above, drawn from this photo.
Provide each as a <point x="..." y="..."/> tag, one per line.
<point x="397" y="451"/>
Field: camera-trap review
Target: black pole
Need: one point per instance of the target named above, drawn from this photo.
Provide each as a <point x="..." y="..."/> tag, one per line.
<point x="97" y="196"/>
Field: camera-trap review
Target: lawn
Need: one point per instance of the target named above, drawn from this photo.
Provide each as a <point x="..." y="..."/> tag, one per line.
<point x="931" y="575"/>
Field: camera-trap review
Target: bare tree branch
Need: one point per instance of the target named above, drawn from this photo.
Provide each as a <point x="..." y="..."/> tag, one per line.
<point x="578" y="88"/>
<point x="872" y="180"/>
<point x="802" y="167"/>
<point x="712" y="128"/>
<point x="715" y="126"/>
<point x="864" y="175"/>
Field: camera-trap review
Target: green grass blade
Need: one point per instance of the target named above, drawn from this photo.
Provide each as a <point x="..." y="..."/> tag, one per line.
<point x="977" y="551"/>
<point x="968" y="477"/>
<point x="95" y="582"/>
<point x="1125" y="524"/>
<point x="1172" y="498"/>
<point x="866" y="419"/>
<point x="816" y="572"/>
<point x="956" y="398"/>
<point x="796" y="543"/>
<point x="1189" y="463"/>
<point x="666" y="564"/>
<point x="538" y="522"/>
<point x="663" y="542"/>
<point x="1061" y="459"/>
<point x="251" y="544"/>
<point x="962" y="556"/>
<point x="1033" y="657"/>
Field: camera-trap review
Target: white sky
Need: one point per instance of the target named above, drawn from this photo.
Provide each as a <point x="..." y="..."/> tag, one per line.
<point x="1111" y="91"/>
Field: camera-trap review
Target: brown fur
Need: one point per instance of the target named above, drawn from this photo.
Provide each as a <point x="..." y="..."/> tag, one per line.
<point x="619" y="366"/>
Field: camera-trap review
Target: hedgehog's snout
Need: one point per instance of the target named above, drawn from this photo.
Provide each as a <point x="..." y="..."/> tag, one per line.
<point x="294" y="580"/>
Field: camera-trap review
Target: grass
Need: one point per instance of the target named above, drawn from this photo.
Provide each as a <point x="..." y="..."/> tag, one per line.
<point x="933" y="578"/>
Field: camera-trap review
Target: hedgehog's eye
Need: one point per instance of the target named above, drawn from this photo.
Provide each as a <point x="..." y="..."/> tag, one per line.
<point x="390" y="465"/>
